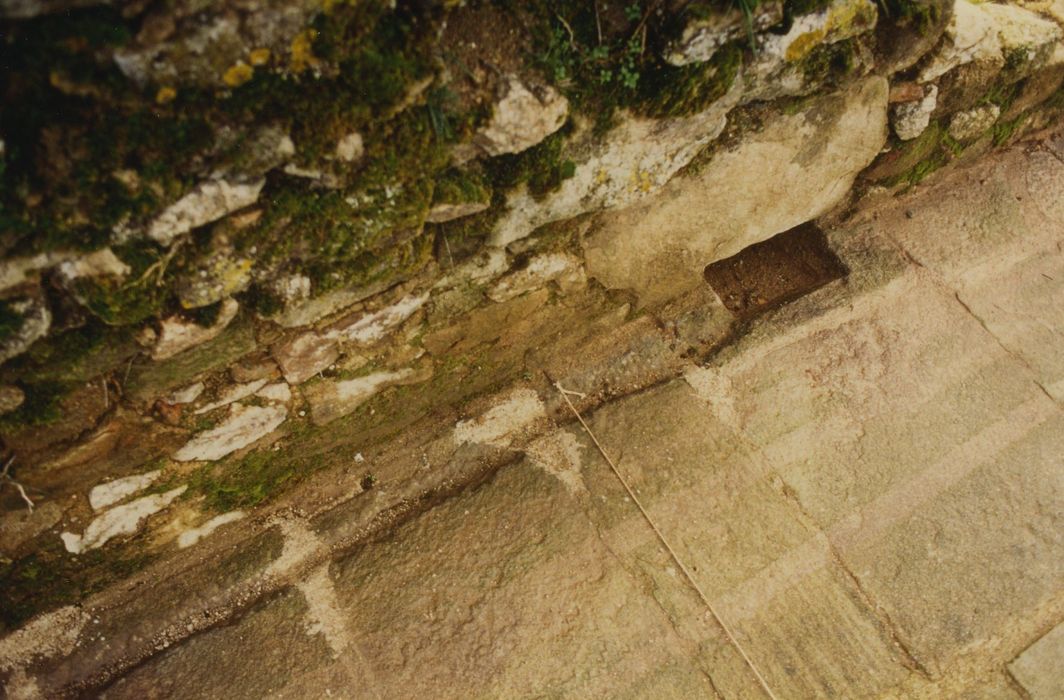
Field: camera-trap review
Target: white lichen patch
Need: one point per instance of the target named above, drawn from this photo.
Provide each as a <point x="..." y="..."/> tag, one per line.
<point x="120" y="520"/>
<point x="243" y="426"/>
<point x="324" y="614"/>
<point x="279" y="392"/>
<point x="519" y="410"/>
<point x="99" y="263"/>
<point x="558" y="454"/>
<point x="372" y="327"/>
<point x="233" y="394"/>
<point x="193" y="535"/>
<point x="331" y="400"/>
<point x="111" y="492"/>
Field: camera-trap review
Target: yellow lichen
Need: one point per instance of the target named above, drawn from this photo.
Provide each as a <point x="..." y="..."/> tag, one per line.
<point x="803" y="44"/>
<point x="302" y="51"/>
<point x="238" y="74"/>
<point x="259" y="57"/>
<point x="165" y="95"/>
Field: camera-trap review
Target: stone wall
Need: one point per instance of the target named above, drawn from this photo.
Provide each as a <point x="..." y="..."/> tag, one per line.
<point x="248" y="243"/>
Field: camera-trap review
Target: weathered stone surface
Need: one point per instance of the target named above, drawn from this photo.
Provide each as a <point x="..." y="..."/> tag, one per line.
<point x="189" y="44"/>
<point x="96" y="264"/>
<point x="989" y="235"/>
<point x="11" y="397"/>
<point x="243" y="426"/>
<point x="217" y="276"/>
<point x="974" y="122"/>
<point x="566" y="270"/>
<point x="794" y="170"/>
<point x="231" y="394"/>
<point x="522" y="117"/>
<point x="981" y="40"/>
<point x="637" y="158"/>
<point x="350" y="148"/>
<point x="207" y="202"/>
<point x="34" y="320"/>
<point x="909" y="119"/>
<point x="305" y="355"/>
<point x="441" y="213"/>
<point x="1038" y="668"/>
<point x="778" y="68"/>
<point x="764" y="569"/>
<point x="330" y="400"/>
<point x="302" y="357"/>
<point x="193" y="535"/>
<point x="702" y="35"/>
<point x="232" y="661"/>
<point x="177" y="334"/>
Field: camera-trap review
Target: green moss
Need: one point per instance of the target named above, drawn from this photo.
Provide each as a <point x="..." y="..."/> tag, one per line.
<point x="50" y="577"/>
<point x="140" y="295"/>
<point x="828" y="62"/>
<point x="1004" y="129"/>
<point x="930" y="151"/>
<point x="10" y="320"/>
<point x="250" y="480"/>
<point x="673" y="91"/>
<point x="796" y="8"/>
<point x="542" y="168"/>
<point x="921" y="15"/>
<point x="459" y="186"/>
<point x="76" y="355"/>
<point x="40" y="407"/>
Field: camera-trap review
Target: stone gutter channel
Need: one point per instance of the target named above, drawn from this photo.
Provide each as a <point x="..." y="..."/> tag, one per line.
<point x="76" y="650"/>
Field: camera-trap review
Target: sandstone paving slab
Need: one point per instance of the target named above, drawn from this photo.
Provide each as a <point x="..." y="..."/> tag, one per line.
<point x="768" y="574"/>
<point x="925" y="452"/>
<point x="1040" y="668"/>
<point x="999" y="244"/>
<point x="508" y="592"/>
<point x="250" y="658"/>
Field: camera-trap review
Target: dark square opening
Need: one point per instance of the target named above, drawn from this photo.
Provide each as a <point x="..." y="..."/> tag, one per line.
<point x="771" y="273"/>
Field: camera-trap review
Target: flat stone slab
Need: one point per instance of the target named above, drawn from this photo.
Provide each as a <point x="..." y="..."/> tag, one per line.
<point x="1038" y="669"/>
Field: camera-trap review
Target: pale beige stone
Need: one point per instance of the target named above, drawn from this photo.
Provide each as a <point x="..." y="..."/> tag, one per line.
<point x="522" y="117"/>
<point x="1038" y="668"/>
<point x="177" y="334"/>
<point x="797" y="168"/>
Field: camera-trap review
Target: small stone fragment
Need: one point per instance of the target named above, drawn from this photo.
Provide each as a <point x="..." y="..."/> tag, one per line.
<point x="522" y="118"/>
<point x="207" y="202"/>
<point x="11" y="397"/>
<point x="909" y="119"/>
<point x="971" y="123"/>
<point x="31" y="320"/>
<point x="350" y="147"/>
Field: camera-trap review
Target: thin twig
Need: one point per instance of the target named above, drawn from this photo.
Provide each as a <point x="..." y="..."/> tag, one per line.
<point x="598" y="23"/>
<point x="661" y="537"/>
<point x="572" y="37"/>
<point x="7" y="477"/>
